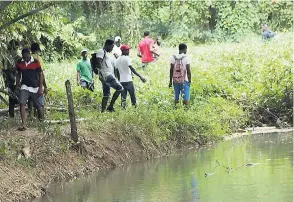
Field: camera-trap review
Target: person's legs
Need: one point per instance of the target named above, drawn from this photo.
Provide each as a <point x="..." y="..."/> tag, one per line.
<point x="38" y="104"/>
<point x="106" y="94"/>
<point x="24" y="95"/>
<point x="131" y="90"/>
<point x="124" y="95"/>
<point x="177" y="92"/>
<point x="114" y="83"/>
<point x="42" y="102"/>
<point x="12" y="101"/>
<point x="30" y="107"/>
<point x="186" y="93"/>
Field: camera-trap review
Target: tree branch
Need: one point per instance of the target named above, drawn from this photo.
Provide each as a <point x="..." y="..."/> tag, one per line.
<point x="32" y="12"/>
<point x="3" y="5"/>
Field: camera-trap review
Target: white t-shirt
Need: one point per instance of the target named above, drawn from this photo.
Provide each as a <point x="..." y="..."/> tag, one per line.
<point x="122" y="64"/>
<point x="116" y="50"/>
<point x="186" y="61"/>
<point x="107" y="63"/>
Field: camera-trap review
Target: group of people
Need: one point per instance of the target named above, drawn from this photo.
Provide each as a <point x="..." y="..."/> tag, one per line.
<point x="113" y="65"/>
<point x="25" y="80"/>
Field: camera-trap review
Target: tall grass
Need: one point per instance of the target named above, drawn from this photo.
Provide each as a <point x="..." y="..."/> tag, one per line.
<point x="233" y="85"/>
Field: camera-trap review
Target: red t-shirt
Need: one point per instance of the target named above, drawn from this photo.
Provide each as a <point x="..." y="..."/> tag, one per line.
<point x="144" y="47"/>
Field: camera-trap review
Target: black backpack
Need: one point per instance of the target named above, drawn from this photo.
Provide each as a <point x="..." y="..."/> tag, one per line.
<point x="93" y="62"/>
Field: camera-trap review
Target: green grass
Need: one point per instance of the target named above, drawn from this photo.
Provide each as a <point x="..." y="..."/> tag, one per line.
<point x="232" y="85"/>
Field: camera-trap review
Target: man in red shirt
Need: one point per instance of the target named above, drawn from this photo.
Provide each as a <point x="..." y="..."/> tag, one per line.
<point x="30" y="80"/>
<point x="144" y="51"/>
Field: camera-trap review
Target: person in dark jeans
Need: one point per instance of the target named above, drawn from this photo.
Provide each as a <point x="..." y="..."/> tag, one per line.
<point x="106" y="72"/>
<point x="125" y="70"/>
<point x="7" y="65"/>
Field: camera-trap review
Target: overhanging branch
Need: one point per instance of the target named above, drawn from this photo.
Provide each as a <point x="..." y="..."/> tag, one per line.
<point x="32" y="12"/>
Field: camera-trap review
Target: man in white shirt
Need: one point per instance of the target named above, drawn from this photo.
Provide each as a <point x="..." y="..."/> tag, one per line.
<point x="116" y="49"/>
<point x="106" y="72"/>
<point x="125" y="70"/>
<point x="180" y="75"/>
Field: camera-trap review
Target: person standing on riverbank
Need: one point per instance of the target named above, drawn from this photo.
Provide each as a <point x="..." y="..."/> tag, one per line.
<point x="125" y="69"/>
<point x="30" y="80"/>
<point x="144" y="50"/>
<point x="8" y="70"/>
<point x="106" y="71"/>
<point x="36" y="52"/>
<point x="85" y="72"/>
<point x="180" y="75"/>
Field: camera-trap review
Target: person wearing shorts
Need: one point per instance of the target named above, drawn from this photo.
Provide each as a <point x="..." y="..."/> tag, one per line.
<point x="107" y="76"/>
<point x="85" y="72"/>
<point x="31" y="83"/>
<point x="181" y="88"/>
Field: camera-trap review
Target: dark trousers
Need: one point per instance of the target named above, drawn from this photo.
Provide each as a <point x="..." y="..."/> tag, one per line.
<point x="12" y="100"/>
<point x="128" y="88"/>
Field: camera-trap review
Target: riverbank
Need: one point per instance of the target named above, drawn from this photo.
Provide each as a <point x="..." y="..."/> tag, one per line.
<point x="32" y="160"/>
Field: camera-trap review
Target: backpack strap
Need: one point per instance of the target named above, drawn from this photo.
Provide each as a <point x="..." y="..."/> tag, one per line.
<point x="181" y="58"/>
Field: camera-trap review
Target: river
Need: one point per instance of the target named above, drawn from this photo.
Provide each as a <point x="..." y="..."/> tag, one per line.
<point x="256" y="168"/>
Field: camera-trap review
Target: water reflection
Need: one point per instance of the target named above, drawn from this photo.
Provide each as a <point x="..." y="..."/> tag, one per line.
<point x="268" y="176"/>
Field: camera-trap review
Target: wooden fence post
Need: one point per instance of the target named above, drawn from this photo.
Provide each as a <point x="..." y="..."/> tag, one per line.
<point x="71" y="112"/>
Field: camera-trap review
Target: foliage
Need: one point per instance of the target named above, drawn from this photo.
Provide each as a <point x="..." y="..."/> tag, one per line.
<point x="66" y="27"/>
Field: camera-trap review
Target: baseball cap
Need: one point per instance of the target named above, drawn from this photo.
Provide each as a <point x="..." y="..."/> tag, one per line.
<point x="84" y="50"/>
<point x="117" y="38"/>
<point x="125" y="47"/>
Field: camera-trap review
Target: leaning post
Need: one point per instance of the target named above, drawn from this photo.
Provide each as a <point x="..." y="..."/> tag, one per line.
<point x="71" y="112"/>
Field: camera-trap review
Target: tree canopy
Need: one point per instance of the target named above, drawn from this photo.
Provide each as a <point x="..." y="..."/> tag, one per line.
<point x="62" y="28"/>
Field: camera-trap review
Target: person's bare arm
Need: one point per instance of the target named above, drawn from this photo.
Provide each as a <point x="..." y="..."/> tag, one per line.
<point x="139" y="54"/>
<point x="41" y="83"/>
<point x="78" y="76"/>
<point x="171" y="74"/>
<point x="188" y="72"/>
<point x="18" y="75"/>
<point x="137" y="74"/>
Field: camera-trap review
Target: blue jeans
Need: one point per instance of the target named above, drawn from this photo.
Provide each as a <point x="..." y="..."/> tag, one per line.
<point x="183" y="89"/>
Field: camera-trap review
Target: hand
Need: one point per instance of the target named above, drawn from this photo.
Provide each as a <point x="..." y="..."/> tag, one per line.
<point x="40" y="91"/>
<point x="45" y="91"/>
<point x="170" y="85"/>
<point x="143" y="79"/>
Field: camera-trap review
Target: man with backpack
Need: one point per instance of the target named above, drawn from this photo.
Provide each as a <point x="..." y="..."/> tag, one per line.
<point x="125" y="70"/>
<point x="106" y="71"/>
<point x="85" y="72"/>
<point x="144" y="50"/>
<point x="180" y="75"/>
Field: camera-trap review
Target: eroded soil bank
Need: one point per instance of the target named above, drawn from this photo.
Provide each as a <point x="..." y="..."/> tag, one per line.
<point x="32" y="160"/>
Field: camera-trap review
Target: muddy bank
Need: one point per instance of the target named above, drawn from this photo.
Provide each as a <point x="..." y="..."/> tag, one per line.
<point x="32" y="160"/>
